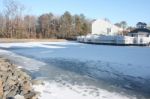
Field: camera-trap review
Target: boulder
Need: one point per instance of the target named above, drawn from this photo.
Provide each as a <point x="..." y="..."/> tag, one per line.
<point x="37" y="82"/>
<point x="17" y="83"/>
<point x="26" y="87"/>
<point x="1" y="89"/>
<point x="30" y="95"/>
<point x="3" y="67"/>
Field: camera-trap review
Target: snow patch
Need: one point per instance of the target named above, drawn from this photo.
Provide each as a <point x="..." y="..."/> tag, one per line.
<point x="29" y="44"/>
<point x="55" y="90"/>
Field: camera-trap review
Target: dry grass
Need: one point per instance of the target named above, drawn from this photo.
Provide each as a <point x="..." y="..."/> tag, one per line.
<point x="8" y="40"/>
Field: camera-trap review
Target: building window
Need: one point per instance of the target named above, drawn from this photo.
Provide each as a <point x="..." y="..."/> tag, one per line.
<point x="132" y="35"/>
<point x="108" y="30"/>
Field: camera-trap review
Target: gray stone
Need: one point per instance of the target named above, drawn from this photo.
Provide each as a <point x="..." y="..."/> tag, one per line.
<point x="29" y="95"/>
<point x="13" y="92"/>
<point x="37" y="82"/>
<point x="26" y="87"/>
<point x="3" y="67"/>
<point x="17" y="83"/>
<point x="1" y="89"/>
<point x="10" y="98"/>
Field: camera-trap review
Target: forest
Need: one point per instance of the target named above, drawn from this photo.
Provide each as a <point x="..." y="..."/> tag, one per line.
<point x="15" y="24"/>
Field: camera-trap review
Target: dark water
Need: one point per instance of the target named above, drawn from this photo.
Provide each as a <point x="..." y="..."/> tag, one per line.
<point x="76" y="65"/>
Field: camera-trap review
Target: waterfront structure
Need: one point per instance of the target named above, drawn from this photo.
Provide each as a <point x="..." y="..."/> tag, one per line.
<point x="105" y="27"/>
<point x="141" y="34"/>
<point x="104" y="35"/>
<point x="140" y="31"/>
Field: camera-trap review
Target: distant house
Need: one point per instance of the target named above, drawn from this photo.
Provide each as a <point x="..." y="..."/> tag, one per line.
<point x="140" y="31"/>
<point x="105" y="27"/>
<point x="103" y="32"/>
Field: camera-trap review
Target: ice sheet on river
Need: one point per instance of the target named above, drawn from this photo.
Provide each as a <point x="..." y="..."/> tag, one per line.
<point x="125" y="64"/>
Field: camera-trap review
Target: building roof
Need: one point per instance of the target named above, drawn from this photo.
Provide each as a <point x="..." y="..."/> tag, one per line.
<point x="141" y="23"/>
<point x="140" y="30"/>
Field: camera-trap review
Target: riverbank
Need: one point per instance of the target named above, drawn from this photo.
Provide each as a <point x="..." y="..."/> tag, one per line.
<point x="10" y="40"/>
<point x="14" y="82"/>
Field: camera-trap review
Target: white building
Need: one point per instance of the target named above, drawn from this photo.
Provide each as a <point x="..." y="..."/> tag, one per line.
<point x="140" y="31"/>
<point x="104" y="27"/>
<point x="141" y="34"/>
<point x="103" y="32"/>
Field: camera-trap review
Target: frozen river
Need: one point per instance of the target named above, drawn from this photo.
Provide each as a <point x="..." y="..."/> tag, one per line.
<point x="93" y="71"/>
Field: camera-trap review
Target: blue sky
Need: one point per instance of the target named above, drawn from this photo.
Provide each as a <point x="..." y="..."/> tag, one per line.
<point x="131" y="11"/>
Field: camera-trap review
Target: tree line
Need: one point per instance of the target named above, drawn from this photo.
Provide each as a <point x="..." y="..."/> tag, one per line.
<point x="14" y="24"/>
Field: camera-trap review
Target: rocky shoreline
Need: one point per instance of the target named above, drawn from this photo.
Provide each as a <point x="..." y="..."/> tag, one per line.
<point x="14" y="82"/>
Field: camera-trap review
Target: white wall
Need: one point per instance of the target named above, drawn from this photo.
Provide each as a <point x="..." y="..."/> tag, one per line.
<point x="102" y="26"/>
<point x="139" y="34"/>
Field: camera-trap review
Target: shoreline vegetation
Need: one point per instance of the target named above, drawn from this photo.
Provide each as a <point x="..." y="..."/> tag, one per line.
<point x="15" y="83"/>
<point x="14" y="23"/>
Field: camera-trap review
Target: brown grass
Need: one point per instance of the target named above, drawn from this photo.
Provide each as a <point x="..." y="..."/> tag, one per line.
<point x="9" y="40"/>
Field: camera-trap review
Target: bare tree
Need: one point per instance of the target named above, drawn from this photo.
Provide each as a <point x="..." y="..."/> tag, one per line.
<point x="30" y="26"/>
<point x="45" y="24"/>
<point x="13" y="14"/>
<point x="2" y="26"/>
<point x="13" y="24"/>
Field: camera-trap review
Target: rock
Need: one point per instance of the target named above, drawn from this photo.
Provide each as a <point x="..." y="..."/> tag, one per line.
<point x="11" y="82"/>
<point x="4" y="78"/>
<point x="17" y="83"/>
<point x="10" y="98"/>
<point x="12" y="92"/>
<point x="24" y="76"/>
<point x="1" y="89"/>
<point x="29" y="95"/>
<point x="37" y="82"/>
<point x="26" y="87"/>
<point x="35" y="97"/>
<point x="3" y="67"/>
